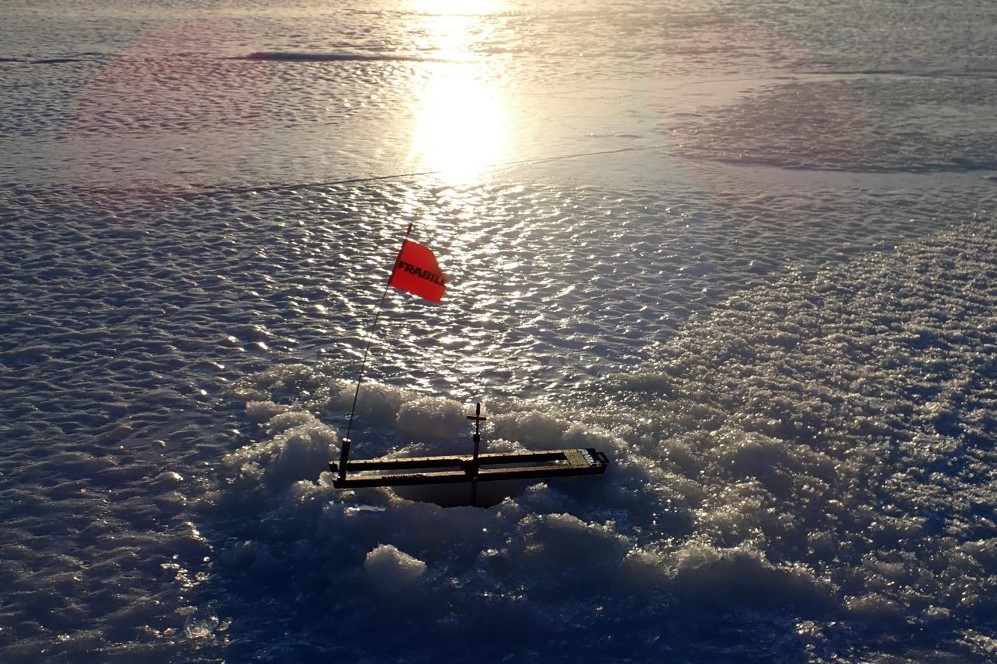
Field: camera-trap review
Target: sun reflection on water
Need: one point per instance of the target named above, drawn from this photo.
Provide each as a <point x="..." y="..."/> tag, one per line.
<point x="459" y="121"/>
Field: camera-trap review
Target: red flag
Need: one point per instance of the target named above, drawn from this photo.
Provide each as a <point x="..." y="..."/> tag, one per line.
<point x="417" y="272"/>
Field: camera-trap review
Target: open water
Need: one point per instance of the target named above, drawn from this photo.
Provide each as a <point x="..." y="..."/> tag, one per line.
<point x="745" y="248"/>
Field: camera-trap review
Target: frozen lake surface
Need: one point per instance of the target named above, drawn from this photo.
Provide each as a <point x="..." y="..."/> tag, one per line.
<point x="747" y="249"/>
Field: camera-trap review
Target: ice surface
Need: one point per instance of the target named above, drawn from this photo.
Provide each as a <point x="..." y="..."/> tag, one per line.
<point x="746" y="250"/>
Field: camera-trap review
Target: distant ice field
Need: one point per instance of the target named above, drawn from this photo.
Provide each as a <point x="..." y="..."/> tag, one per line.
<point x="747" y="249"/>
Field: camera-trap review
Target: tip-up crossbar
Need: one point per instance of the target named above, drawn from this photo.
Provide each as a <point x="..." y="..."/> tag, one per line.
<point x="450" y="469"/>
<point x="473" y="468"/>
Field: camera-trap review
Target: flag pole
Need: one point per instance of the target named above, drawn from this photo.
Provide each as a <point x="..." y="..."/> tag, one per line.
<point x="344" y="453"/>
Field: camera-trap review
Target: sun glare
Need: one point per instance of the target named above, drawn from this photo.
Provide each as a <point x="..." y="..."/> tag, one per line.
<point x="458" y="130"/>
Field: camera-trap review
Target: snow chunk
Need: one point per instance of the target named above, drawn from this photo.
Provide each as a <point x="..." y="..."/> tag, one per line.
<point x="390" y="570"/>
<point x="301" y="450"/>
<point x="431" y="419"/>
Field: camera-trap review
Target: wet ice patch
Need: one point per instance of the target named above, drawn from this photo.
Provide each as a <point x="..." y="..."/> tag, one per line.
<point x="844" y="122"/>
